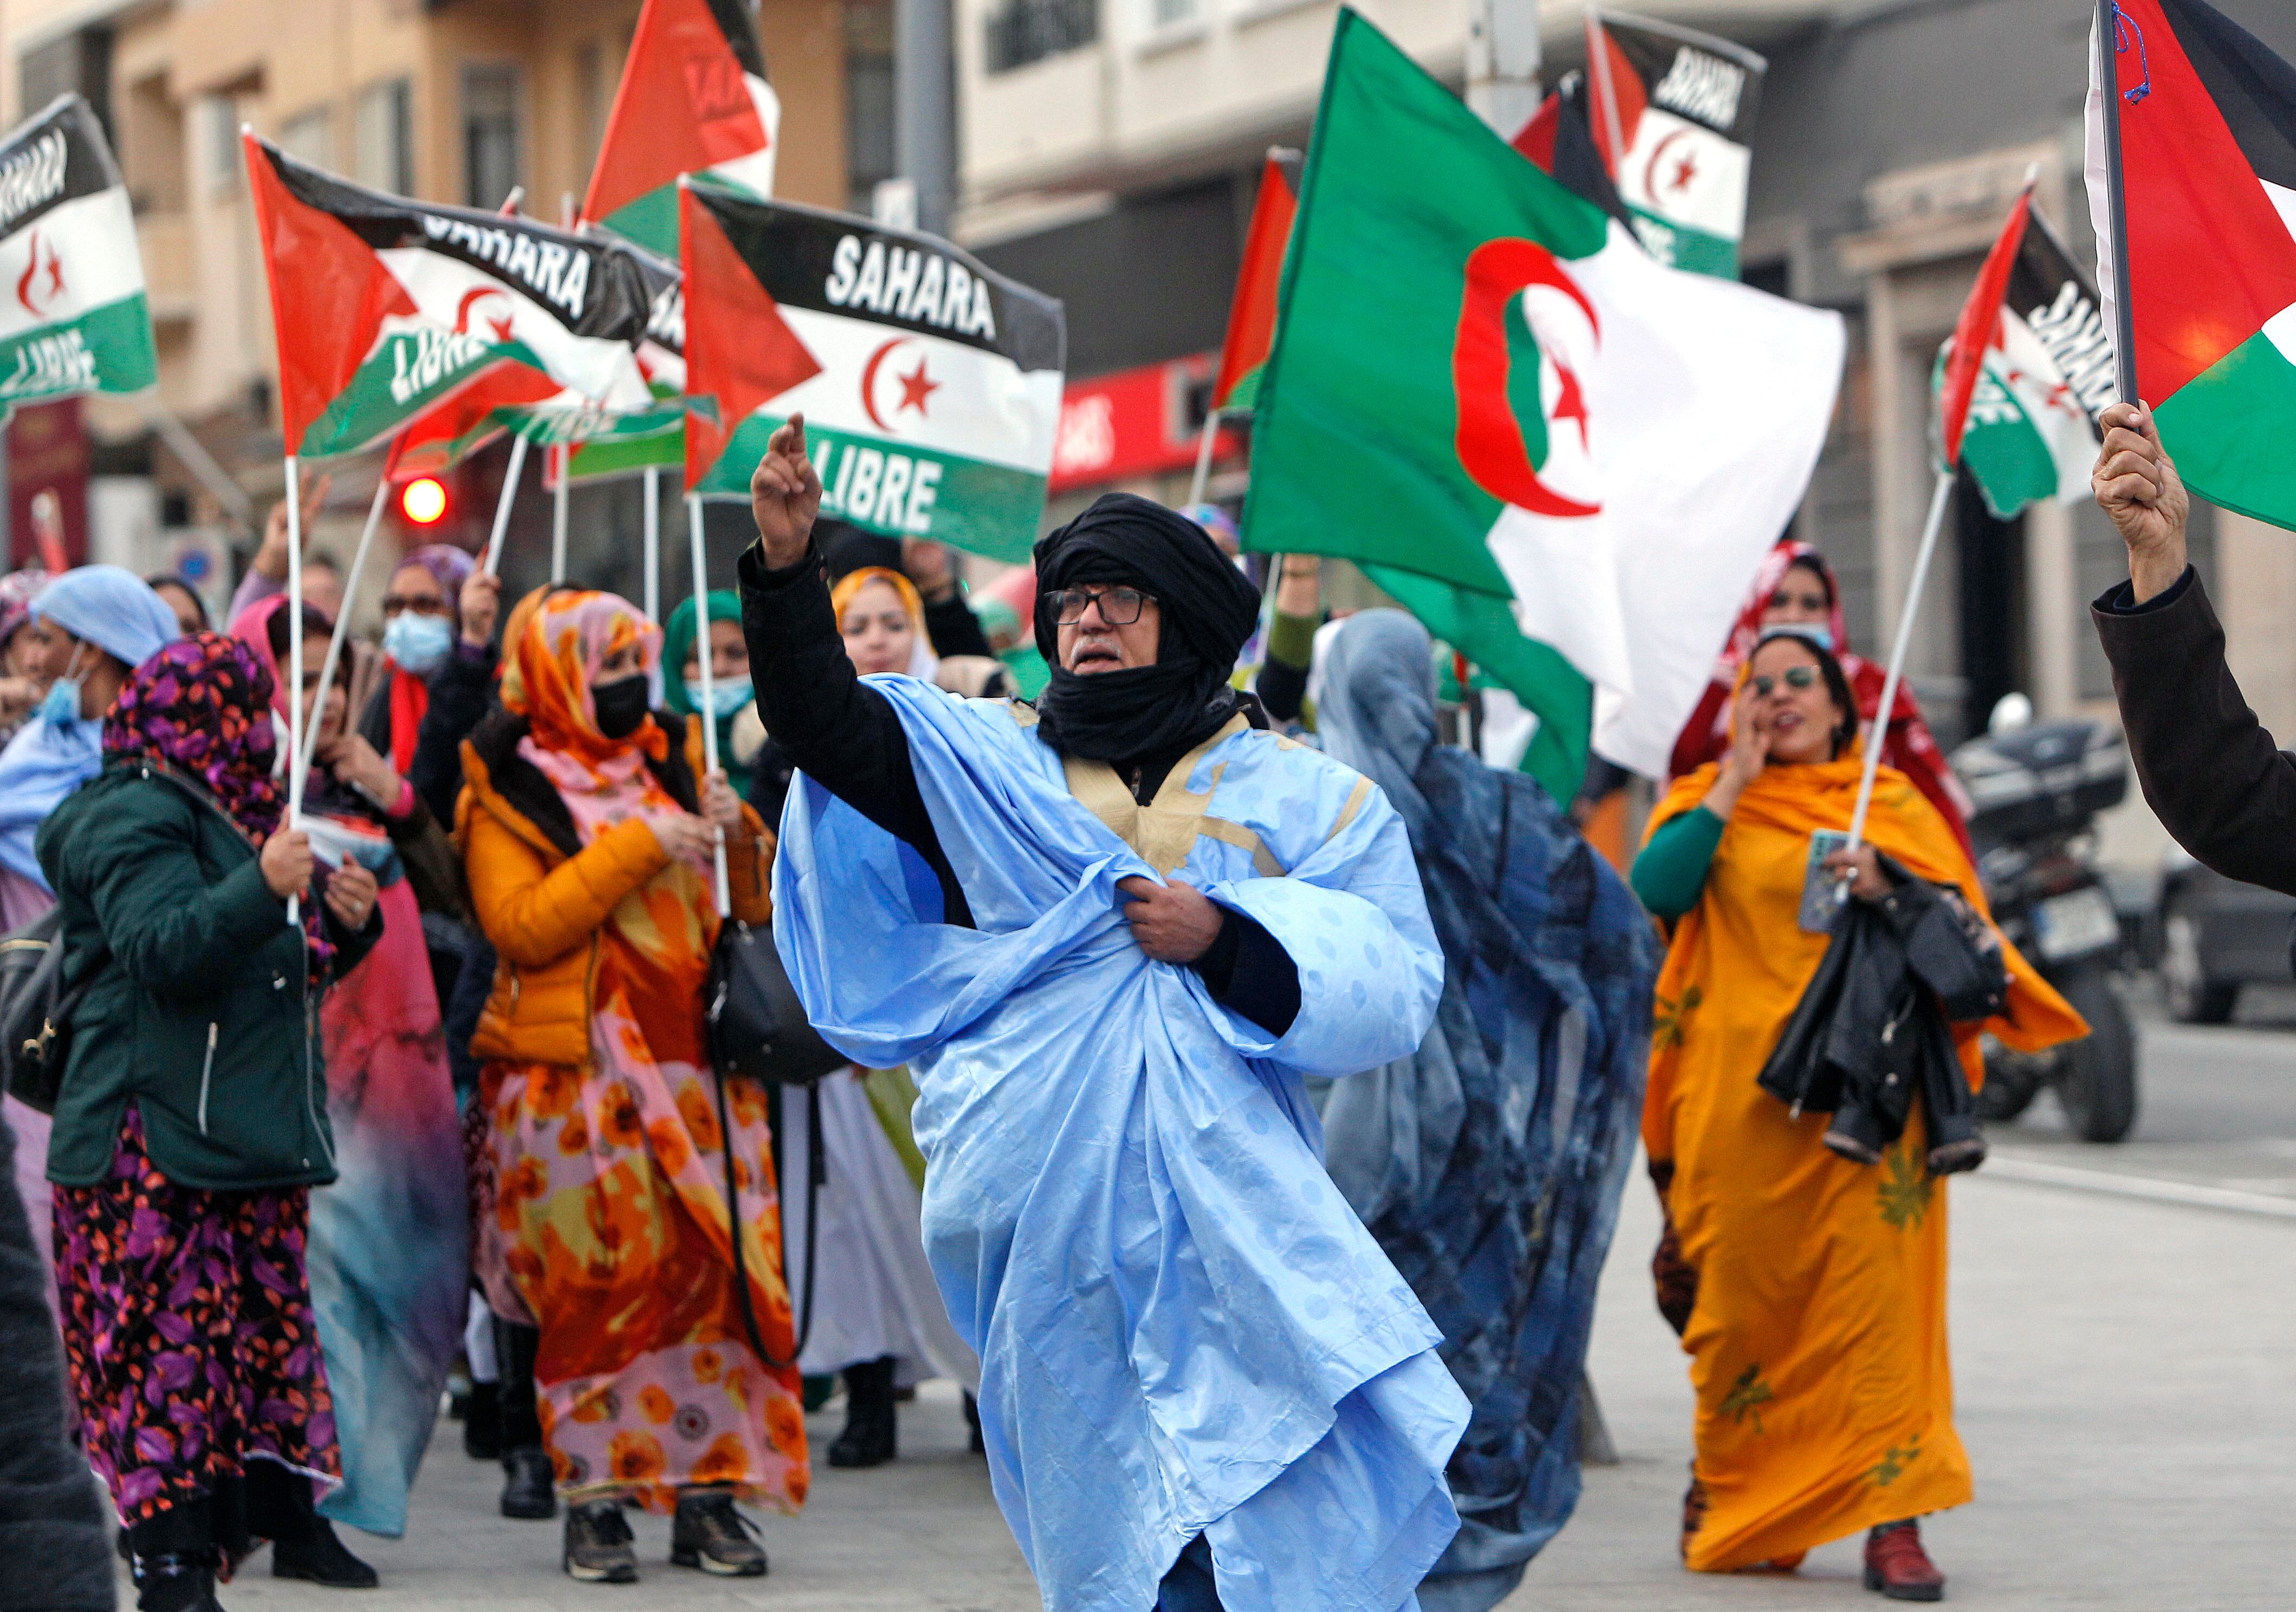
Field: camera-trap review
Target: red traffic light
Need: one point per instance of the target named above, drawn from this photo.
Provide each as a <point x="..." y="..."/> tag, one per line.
<point x="424" y="501"/>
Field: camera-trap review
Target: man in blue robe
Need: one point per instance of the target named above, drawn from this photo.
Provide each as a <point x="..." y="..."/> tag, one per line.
<point x="1110" y="934"/>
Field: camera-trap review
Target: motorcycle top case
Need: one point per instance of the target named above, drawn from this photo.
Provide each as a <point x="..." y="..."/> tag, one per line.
<point x="2050" y="777"/>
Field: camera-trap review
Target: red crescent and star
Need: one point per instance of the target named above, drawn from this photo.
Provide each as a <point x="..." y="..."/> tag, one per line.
<point x="1685" y="168"/>
<point x="501" y="325"/>
<point x="26" y="291"/>
<point x="916" y="386"/>
<point x="1490" y="440"/>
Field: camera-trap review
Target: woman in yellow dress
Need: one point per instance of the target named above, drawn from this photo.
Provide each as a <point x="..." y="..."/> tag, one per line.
<point x="1809" y="1289"/>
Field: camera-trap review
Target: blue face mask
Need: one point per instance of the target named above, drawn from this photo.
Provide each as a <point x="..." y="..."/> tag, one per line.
<point x="727" y="696"/>
<point x="61" y="703"/>
<point x="418" y="644"/>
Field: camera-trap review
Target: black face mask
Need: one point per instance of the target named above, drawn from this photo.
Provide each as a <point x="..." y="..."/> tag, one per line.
<point x="621" y="705"/>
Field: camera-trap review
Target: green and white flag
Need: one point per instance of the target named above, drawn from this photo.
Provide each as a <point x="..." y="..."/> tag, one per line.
<point x="73" y="318"/>
<point x="1567" y="459"/>
<point x="931" y="384"/>
<point x="2047" y="373"/>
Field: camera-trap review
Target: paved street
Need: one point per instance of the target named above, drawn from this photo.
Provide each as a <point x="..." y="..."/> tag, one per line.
<point x="2127" y="1390"/>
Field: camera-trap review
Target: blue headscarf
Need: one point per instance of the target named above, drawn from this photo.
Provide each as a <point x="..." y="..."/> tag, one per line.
<point x="1490" y="1163"/>
<point x="119" y="613"/>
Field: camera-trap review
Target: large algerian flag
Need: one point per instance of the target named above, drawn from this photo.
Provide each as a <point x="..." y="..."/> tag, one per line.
<point x="693" y="100"/>
<point x="1567" y="459"/>
<point x="1672" y="112"/>
<point x="73" y="318"/>
<point x="931" y="384"/>
<point x="2024" y="412"/>
<point x="383" y="307"/>
<point x="2197" y="255"/>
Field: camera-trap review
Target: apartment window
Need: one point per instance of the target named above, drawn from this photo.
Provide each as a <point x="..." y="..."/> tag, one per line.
<point x="221" y="157"/>
<point x="1172" y="14"/>
<point x="868" y="99"/>
<point x="79" y="61"/>
<point x="1029" y="30"/>
<point x="309" y="136"/>
<point x="382" y="137"/>
<point x="490" y="134"/>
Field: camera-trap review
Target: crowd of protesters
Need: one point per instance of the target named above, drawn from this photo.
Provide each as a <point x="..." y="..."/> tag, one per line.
<point x="420" y="1084"/>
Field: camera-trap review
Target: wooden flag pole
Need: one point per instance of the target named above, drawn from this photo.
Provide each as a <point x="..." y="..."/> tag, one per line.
<point x="701" y="657"/>
<point x="493" y="567"/>
<point x="294" y="661"/>
<point x="1880" y="733"/>
<point x="342" y="622"/>
<point x="565" y="457"/>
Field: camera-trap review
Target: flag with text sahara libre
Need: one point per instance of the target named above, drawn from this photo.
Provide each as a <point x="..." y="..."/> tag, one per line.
<point x="693" y="100"/>
<point x="73" y="318"/>
<point x="1252" y="315"/>
<point x="383" y="307"/>
<point x="931" y="384"/>
<point x="2027" y="370"/>
<point x="2207" y="248"/>
<point x="1567" y="459"/>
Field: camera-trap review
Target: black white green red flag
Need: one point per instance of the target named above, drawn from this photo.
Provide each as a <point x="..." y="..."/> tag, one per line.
<point x="931" y="384"/>
<point x="1567" y="459"/>
<point x="2019" y="412"/>
<point x="1672" y="112"/>
<point x="693" y="100"/>
<point x="1251" y="313"/>
<point x="384" y="307"/>
<point x="73" y="318"/>
<point x="2197" y="253"/>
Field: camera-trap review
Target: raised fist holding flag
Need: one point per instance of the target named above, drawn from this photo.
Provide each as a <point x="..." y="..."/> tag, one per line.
<point x="2137" y="485"/>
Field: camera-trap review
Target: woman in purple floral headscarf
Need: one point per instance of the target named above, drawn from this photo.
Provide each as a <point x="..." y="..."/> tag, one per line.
<point x="191" y="1126"/>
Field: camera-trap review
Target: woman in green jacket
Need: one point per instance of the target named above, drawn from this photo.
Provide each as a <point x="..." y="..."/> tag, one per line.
<point x="192" y="1125"/>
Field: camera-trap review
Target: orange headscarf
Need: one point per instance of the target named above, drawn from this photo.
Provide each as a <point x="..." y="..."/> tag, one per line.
<point x="852" y="582"/>
<point x="554" y="666"/>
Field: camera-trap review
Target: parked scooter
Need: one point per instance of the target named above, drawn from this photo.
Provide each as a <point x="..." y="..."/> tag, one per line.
<point x="2037" y="788"/>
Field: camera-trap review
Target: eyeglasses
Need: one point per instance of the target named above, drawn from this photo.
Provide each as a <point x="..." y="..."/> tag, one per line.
<point x="429" y="605"/>
<point x="1119" y="607"/>
<point x="1796" y="676"/>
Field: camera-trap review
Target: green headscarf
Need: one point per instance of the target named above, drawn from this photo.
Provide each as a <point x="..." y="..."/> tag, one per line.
<point x="678" y="642"/>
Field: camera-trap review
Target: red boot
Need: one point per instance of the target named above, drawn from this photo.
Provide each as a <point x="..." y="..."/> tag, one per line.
<point x="1899" y="1567"/>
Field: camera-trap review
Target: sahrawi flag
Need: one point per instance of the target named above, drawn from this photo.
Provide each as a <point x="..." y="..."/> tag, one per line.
<point x="2201" y="245"/>
<point x="1672" y="112"/>
<point x="73" y="318"/>
<point x="384" y="307"/>
<point x="1567" y="459"/>
<point x="2029" y="369"/>
<point x="693" y="100"/>
<point x="930" y="385"/>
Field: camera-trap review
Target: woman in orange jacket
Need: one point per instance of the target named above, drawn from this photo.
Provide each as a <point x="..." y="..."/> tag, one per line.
<point x="589" y="847"/>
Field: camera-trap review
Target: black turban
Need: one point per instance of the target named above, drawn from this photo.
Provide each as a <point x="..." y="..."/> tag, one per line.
<point x="1208" y="610"/>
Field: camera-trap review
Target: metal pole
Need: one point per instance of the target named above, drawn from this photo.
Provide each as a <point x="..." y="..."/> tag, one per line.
<point x="294" y="661"/>
<point x="558" y="519"/>
<point x="343" y="620"/>
<point x="2108" y="83"/>
<point x="653" y="544"/>
<point x="1204" y="454"/>
<point x="501" y="505"/>
<point x="1598" y="75"/>
<point x="1897" y="653"/>
<point x="924" y="108"/>
<point x="702" y="656"/>
<point x="1503" y="63"/>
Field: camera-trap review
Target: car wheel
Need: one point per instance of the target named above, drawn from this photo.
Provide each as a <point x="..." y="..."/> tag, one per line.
<point x="2193" y="998"/>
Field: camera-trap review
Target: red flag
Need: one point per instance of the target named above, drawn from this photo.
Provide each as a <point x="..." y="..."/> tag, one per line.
<point x="739" y="350"/>
<point x="1973" y="332"/>
<point x="1252" y="317"/>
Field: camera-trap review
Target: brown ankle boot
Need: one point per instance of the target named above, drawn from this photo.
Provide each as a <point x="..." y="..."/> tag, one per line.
<point x="1899" y="1567"/>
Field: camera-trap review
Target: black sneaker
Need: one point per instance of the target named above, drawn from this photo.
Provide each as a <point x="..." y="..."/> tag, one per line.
<point x="598" y="1546"/>
<point x="528" y="1491"/>
<point x="321" y="1559"/>
<point x="711" y="1535"/>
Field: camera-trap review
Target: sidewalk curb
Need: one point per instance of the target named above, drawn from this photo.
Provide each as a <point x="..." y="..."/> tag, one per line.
<point x="2190" y="1194"/>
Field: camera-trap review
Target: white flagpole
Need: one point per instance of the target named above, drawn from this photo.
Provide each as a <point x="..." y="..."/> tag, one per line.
<point x="1880" y="732"/>
<point x="701" y="655"/>
<point x="558" y="519"/>
<point x="342" y="621"/>
<point x="1204" y="454"/>
<point x="1598" y="75"/>
<point x="501" y="505"/>
<point x="653" y="544"/>
<point x="294" y="661"/>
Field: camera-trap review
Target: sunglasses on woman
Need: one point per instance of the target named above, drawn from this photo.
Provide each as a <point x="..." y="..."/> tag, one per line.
<point x="1796" y="676"/>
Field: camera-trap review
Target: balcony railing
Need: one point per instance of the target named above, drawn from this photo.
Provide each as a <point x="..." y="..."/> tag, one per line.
<point x="1029" y="30"/>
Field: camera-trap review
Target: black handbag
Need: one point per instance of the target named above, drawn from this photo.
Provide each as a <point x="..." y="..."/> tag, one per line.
<point x="36" y="1011"/>
<point x="758" y="1027"/>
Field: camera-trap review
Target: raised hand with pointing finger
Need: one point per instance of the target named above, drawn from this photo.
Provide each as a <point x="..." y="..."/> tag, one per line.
<point x="785" y="496"/>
